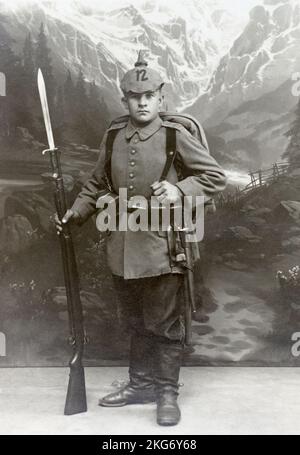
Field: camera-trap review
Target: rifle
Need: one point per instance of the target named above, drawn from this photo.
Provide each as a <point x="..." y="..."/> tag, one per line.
<point x="76" y="394"/>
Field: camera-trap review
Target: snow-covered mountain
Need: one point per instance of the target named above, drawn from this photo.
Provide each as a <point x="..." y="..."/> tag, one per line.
<point x="249" y="98"/>
<point x="185" y="41"/>
<point x="232" y="73"/>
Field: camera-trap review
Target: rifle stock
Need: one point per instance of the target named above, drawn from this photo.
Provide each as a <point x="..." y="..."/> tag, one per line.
<point x="76" y="394"/>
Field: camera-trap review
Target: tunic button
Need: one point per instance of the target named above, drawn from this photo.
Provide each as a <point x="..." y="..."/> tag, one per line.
<point x="135" y="141"/>
<point x="131" y="175"/>
<point x="132" y="163"/>
<point x="133" y="152"/>
<point x="131" y="187"/>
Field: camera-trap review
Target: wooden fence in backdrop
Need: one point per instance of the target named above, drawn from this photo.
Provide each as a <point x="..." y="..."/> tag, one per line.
<point x="258" y="179"/>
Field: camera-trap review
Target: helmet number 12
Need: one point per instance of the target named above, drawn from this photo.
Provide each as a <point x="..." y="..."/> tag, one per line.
<point x="141" y="75"/>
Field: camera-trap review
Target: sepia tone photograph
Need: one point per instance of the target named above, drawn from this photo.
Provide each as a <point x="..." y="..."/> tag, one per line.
<point x="149" y="217"/>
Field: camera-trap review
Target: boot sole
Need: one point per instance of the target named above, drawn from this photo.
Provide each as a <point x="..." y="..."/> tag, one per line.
<point x="167" y="423"/>
<point x="119" y="405"/>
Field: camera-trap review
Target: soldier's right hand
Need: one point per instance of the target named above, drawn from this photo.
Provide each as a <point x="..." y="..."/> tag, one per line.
<point x="69" y="217"/>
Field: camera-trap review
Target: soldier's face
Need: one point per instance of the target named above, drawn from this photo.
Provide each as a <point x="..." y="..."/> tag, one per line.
<point x="143" y="107"/>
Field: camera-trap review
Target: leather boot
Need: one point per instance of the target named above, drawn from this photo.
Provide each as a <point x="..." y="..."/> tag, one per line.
<point x="166" y="371"/>
<point x="140" y="388"/>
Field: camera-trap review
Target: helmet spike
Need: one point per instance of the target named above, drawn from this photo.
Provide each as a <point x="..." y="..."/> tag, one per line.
<point x="141" y="61"/>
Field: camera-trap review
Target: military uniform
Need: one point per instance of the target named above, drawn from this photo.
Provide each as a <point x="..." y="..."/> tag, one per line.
<point x="138" y="160"/>
<point x="148" y="283"/>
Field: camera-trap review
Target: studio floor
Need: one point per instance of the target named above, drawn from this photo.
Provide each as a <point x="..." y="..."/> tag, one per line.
<point x="214" y="401"/>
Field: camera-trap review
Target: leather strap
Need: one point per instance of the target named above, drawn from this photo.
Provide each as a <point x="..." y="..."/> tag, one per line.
<point x="108" y="153"/>
<point x="170" y="152"/>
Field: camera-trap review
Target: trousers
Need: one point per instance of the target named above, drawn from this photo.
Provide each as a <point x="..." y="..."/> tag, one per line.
<point x="152" y="306"/>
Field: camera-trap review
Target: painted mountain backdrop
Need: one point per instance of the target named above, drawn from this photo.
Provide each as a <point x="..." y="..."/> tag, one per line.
<point x="228" y="63"/>
<point x="232" y="75"/>
<point x="249" y="101"/>
<point x="185" y="44"/>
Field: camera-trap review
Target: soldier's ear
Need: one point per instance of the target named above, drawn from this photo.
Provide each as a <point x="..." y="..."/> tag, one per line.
<point x="124" y="102"/>
<point x="160" y="99"/>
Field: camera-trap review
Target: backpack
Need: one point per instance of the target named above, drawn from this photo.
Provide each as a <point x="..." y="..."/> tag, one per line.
<point x="187" y="121"/>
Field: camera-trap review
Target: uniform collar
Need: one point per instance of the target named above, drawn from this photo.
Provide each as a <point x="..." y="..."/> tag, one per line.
<point x="144" y="132"/>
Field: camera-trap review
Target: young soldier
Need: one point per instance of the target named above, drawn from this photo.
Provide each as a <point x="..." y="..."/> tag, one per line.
<point x="148" y="283"/>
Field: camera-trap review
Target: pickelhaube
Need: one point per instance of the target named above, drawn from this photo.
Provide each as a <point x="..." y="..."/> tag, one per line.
<point x="141" y="78"/>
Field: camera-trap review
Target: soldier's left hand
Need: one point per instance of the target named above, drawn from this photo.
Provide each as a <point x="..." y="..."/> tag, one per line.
<point x="166" y="193"/>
